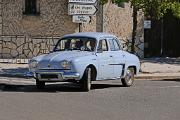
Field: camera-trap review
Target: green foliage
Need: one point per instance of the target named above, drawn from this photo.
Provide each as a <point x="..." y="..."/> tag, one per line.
<point x="114" y="1"/>
<point x="176" y="9"/>
<point x="158" y="8"/>
<point x="103" y="2"/>
<point x="155" y="8"/>
<point x="120" y="1"/>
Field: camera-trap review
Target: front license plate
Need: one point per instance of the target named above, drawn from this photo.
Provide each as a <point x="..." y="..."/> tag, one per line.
<point x="50" y="77"/>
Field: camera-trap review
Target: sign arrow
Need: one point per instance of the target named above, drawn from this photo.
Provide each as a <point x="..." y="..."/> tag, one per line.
<point x="77" y="9"/>
<point x="83" y="1"/>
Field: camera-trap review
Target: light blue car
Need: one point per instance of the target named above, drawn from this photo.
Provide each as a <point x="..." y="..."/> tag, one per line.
<point x="83" y="58"/>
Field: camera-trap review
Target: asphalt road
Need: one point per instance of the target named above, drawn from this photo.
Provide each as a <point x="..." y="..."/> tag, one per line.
<point x="108" y="100"/>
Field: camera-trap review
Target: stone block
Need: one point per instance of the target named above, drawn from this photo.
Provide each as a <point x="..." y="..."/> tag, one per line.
<point x="6" y="60"/>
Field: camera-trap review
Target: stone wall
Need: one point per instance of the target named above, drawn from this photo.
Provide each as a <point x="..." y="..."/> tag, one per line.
<point x="118" y="19"/>
<point x="53" y="19"/>
<point x="23" y="36"/>
<point x="139" y="42"/>
<point x="25" y="47"/>
<point x="1" y="17"/>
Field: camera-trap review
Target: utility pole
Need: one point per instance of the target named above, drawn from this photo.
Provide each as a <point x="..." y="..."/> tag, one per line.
<point x="80" y="25"/>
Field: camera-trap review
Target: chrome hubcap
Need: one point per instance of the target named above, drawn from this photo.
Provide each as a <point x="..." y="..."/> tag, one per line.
<point x="89" y="79"/>
<point x="129" y="77"/>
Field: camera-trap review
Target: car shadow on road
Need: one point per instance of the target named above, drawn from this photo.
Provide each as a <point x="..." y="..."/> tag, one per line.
<point x="52" y="88"/>
<point x="103" y="86"/>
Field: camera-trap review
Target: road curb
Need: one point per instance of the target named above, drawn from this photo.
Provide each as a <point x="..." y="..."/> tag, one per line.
<point x="16" y="75"/>
<point x="156" y="77"/>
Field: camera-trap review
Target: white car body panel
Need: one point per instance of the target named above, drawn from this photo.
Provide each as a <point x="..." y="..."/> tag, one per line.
<point x="108" y="64"/>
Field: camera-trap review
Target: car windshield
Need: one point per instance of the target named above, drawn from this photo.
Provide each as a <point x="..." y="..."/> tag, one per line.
<point x="76" y="43"/>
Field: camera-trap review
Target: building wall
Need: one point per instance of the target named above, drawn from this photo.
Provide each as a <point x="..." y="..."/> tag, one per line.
<point x="1" y="17"/>
<point x="23" y="47"/>
<point x="33" y="35"/>
<point x="52" y="21"/>
<point x="118" y="19"/>
<point x="139" y="42"/>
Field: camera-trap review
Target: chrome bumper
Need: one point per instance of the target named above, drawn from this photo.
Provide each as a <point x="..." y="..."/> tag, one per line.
<point x="61" y="75"/>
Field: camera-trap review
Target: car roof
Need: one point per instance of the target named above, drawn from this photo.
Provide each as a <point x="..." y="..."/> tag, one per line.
<point x="96" y="35"/>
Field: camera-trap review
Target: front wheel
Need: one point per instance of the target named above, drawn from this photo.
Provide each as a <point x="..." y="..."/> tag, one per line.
<point x="40" y="84"/>
<point x="86" y="80"/>
<point x="129" y="78"/>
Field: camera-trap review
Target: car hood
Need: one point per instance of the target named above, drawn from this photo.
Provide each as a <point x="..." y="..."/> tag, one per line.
<point x="55" y="58"/>
<point x="65" y="55"/>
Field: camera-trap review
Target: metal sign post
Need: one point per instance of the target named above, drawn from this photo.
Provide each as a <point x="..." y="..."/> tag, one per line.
<point x="80" y="25"/>
<point x="82" y="11"/>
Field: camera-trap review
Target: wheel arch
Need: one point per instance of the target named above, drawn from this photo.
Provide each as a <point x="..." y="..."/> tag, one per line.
<point x="128" y="79"/>
<point x="130" y="66"/>
<point x="94" y="71"/>
<point x="134" y="67"/>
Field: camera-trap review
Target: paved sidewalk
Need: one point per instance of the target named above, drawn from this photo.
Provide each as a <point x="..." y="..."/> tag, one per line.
<point x="160" y="68"/>
<point x="13" y="70"/>
<point x="151" y="68"/>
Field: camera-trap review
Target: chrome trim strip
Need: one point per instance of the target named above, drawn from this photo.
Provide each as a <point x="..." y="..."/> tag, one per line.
<point x="117" y="64"/>
<point x="54" y="69"/>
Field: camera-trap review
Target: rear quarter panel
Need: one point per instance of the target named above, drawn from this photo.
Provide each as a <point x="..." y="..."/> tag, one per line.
<point x="132" y="60"/>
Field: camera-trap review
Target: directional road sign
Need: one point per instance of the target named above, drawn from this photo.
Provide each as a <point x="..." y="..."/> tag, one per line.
<point x="77" y="9"/>
<point x="147" y="24"/>
<point x="83" y="1"/>
<point x="81" y="19"/>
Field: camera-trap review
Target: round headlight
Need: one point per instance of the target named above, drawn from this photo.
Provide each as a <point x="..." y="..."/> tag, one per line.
<point x="65" y="64"/>
<point x="33" y="64"/>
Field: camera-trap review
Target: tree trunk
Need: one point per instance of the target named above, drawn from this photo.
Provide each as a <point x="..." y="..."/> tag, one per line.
<point x="134" y="29"/>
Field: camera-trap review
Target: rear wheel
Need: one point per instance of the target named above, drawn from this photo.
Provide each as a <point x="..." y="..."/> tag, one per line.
<point x="40" y="84"/>
<point x="129" y="78"/>
<point x="86" y="80"/>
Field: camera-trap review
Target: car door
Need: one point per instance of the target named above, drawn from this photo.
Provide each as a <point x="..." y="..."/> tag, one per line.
<point x="105" y="70"/>
<point x="117" y="55"/>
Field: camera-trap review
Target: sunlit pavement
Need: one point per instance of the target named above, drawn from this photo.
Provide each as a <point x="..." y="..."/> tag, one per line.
<point x="108" y="100"/>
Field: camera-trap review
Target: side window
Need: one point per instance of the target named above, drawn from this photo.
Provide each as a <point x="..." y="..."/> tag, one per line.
<point x="62" y="45"/>
<point x="116" y="45"/>
<point x="103" y="45"/>
<point x="111" y="45"/>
